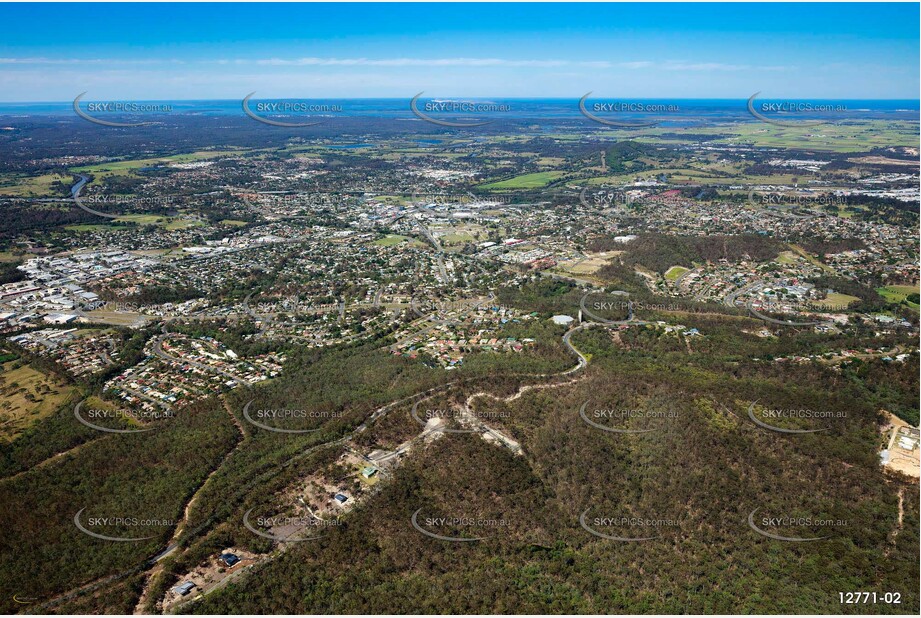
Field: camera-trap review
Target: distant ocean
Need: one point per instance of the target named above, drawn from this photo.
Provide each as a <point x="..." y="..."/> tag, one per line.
<point x="714" y="109"/>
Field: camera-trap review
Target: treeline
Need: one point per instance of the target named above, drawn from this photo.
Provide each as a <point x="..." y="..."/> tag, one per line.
<point x="659" y="252"/>
<point x="627" y="156"/>
<point x="822" y="246"/>
<point x="547" y="296"/>
<point x="19" y="219"/>
<point x="888" y="210"/>
<point x="9" y="273"/>
<point x="869" y="299"/>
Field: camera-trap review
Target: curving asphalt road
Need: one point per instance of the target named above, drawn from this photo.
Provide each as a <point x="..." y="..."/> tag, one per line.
<point x="600" y="320"/>
<point x="760" y="315"/>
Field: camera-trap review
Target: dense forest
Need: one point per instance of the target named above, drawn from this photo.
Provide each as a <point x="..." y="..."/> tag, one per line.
<point x="628" y="156"/>
<point x="703" y="470"/>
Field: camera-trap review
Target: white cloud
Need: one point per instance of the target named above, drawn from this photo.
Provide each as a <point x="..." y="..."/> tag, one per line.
<point x="79" y="61"/>
<point x="398" y="63"/>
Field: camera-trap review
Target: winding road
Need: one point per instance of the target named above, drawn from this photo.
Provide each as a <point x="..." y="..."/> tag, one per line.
<point x="173" y="546"/>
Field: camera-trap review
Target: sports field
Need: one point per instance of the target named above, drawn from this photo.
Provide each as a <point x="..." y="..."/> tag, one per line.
<point x="526" y="181"/>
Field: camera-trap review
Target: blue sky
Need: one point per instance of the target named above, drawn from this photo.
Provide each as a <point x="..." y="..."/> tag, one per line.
<point x="224" y="51"/>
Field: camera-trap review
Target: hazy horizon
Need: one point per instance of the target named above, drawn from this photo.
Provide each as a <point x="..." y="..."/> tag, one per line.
<point x="214" y="51"/>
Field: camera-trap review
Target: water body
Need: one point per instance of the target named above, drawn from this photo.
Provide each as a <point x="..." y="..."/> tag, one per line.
<point x="519" y="108"/>
<point x="75" y="190"/>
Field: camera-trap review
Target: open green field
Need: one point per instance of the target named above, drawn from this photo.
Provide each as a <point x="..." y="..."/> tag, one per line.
<point x="116" y="318"/>
<point x="811" y="258"/>
<point x="836" y="300"/>
<point x="117" y="166"/>
<point x="133" y="164"/>
<point x="898" y="293"/>
<point x="101" y="171"/>
<point x="588" y="265"/>
<point x="167" y="223"/>
<point x="391" y="240"/>
<point x="180" y="224"/>
<point x="398" y="200"/>
<point x="526" y="181"/>
<point x="786" y="257"/>
<point x="27" y="395"/>
<point x="695" y="176"/>
<point x="204" y="155"/>
<point x="849" y="136"/>
<point x="20" y="185"/>
<point x="674" y="272"/>
<point x="854" y="136"/>
<point x="93" y="227"/>
<point x="140" y="219"/>
<point x="550" y="161"/>
<point x="6" y="257"/>
<point x="457" y="238"/>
